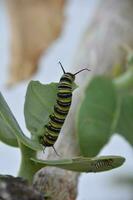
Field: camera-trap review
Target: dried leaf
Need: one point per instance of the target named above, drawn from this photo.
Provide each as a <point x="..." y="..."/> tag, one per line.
<point x="34" y="26"/>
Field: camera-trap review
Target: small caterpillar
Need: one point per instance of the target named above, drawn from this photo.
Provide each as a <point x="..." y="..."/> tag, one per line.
<point x="61" y="109"/>
<point x="100" y="164"/>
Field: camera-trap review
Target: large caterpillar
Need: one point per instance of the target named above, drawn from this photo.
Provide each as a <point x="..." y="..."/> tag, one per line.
<point x="61" y="109"/>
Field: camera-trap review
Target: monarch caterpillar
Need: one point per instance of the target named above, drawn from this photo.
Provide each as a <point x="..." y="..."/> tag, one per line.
<point x="61" y="109"/>
<point x="101" y="164"/>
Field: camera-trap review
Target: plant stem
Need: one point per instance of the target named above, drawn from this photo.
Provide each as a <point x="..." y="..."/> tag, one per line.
<point x="124" y="81"/>
<point x="27" y="167"/>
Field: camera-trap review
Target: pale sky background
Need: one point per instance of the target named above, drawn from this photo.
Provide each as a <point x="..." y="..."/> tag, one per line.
<point x="100" y="186"/>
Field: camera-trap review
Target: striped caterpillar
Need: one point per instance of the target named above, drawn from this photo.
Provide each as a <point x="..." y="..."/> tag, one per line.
<point x="61" y="109"/>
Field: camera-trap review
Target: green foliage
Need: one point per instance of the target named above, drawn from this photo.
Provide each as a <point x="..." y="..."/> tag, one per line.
<point x="130" y="59"/>
<point x="125" y="120"/>
<point x="104" y="110"/>
<point x="10" y="131"/>
<point x="8" y="124"/>
<point x="84" y="164"/>
<point x="107" y="108"/>
<point x="95" y="121"/>
<point x="39" y="104"/>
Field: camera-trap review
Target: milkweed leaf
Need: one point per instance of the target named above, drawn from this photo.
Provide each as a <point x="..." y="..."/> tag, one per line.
<point x="96" y="117"/>
<point x="10" y="131"/>
<point x="84" y="164"/>
<point x="39" y="104"/>
<point x="8" y="124"/>
<point x="7" y="134"/>
<point x="125" y="121"/>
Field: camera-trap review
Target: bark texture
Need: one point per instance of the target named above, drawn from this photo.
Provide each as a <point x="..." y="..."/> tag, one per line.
<point x="12" y="188"/>
<point x="102" y="49"/>
<point x="34" y="26"/>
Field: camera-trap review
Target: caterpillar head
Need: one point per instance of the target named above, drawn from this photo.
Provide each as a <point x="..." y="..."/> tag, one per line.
<point x="69" y="75"/>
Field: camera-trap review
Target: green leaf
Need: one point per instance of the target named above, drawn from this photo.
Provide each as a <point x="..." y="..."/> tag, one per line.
<point x="7" y="134"/>
<point x="10" y="131"/>
<point x="130" y="59"/>
<point x="39" y="104"/>
<point x="96" y="117"/>
<point x="85" y="164"/>
<point x="8" y="124"/>
<point x="125" y="120"/>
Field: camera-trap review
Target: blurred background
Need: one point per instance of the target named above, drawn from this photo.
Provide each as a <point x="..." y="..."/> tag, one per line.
<point x="41" y="56"/>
